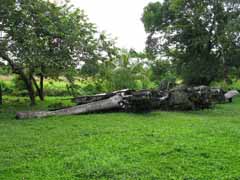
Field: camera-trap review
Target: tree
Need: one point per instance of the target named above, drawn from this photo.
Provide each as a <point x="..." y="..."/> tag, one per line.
<point x="193" y="34"/>
<point x="2" y="66"/>
<point x="105" y="51"/>
<point x="128" y="70"/>
<point x="1" y="94"/>
<point x="229" y="41"/>
<point x="44" y="40"/>
<point x="162" y="70"/>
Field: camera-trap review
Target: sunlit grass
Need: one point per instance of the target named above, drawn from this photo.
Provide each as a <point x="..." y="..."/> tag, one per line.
<point x="159" y="145"/>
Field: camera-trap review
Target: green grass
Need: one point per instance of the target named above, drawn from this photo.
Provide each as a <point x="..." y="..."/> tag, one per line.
<point x="161" y="145"/>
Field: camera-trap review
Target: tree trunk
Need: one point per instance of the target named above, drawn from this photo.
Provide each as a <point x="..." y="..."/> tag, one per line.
<point x="225" y="69"/>
<point x="41" y="87"/>
<point x="31" y="92"/>
<point x="27" y="80"/>
<point x="107" y="104"/>
<point x="225" y="73"/>
<point x="1" y="94"/>
<point x="40" y="91"/>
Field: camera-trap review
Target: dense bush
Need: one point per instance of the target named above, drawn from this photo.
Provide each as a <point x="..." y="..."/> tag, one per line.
<point x="162" y="70"/>
<point x="126" y="72"/>
<point x="18" y="87"/>
<point x="234" y="84"/>
<point x="6" y="87"/>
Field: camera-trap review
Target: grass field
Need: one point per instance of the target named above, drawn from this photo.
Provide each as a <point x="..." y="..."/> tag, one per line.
<point x="87" y="86"/>
<point x="161" y="145"/>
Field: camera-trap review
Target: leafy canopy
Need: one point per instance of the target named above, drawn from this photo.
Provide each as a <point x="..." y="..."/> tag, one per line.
<point x="197" y="35"/>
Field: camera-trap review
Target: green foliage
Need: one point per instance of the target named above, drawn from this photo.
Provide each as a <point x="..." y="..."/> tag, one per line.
<point x="159" y="145"/>
<point x="105" y="51"/>
<point x="235" y="84"/>
<point x="162" y="70"/>
<point x="42" y="39"/>
<point x="4" y="70"/>
<point x="6" y="88"/>
<point x="18" y="87"/>
<point x="127" y="71"/>
<point x="200" y="37"/>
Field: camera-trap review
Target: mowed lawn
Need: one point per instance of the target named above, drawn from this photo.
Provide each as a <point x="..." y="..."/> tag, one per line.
<point x="159" y="145"/>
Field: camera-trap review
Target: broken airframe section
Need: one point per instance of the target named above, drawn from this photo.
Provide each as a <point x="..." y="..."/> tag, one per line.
<point x="181" y="98"/>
